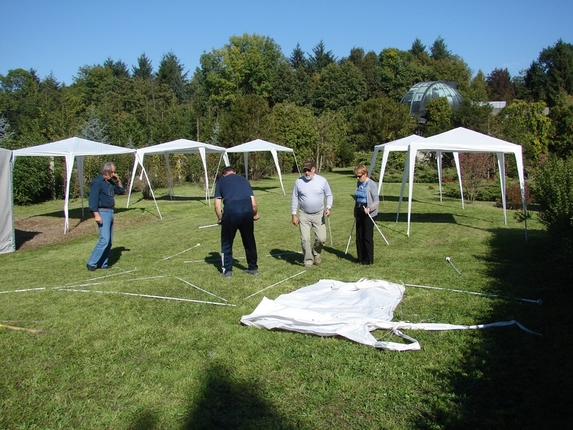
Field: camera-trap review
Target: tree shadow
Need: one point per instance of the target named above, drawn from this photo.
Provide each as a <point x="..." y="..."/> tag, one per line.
<point x="23" y="236"/>
<point x="510" y="378"/>
<point x="225" y="402"/>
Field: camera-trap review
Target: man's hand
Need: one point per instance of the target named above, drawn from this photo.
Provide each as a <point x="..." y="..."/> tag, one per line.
<point x="98" y="220"/>
<point x="327" y="212"/>
<point x="256" y="217"/>
<point x="295" y="220"/>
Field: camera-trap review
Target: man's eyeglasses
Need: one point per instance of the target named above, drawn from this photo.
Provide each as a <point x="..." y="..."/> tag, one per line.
<point x="359" y="176"/>
<point x="306" y="170"/>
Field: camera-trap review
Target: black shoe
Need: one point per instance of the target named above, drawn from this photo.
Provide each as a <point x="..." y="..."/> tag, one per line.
<point x="253" y="272"/>
<point x="91" y="268"/>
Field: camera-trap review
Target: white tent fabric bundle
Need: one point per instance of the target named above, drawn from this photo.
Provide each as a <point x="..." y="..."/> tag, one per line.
<point x="348" y="309"/>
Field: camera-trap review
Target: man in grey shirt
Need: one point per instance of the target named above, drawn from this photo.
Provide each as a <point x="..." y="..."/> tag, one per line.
<point x="308" y="196"/>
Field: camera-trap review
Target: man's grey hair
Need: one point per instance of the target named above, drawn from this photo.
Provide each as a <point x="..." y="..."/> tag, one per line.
<point x="107" y="167"/>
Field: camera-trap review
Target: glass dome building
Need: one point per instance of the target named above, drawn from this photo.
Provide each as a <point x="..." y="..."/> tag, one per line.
<point x="419" y="95"/>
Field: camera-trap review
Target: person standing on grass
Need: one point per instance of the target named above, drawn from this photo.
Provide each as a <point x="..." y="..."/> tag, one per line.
<point x="308" y="196"/>
<point x="101" y="204"/>
<point x="241" y="210"/>
<point x="365" y="212"/>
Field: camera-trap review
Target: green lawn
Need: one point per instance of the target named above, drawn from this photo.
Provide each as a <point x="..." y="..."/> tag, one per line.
<point x="116" y="361"/>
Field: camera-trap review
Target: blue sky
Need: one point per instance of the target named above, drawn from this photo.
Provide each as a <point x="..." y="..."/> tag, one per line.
<point x="60" y="36"/>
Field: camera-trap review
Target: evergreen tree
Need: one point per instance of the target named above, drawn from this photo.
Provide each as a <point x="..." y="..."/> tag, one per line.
<point x="119" y="68"/>
<point x="418" y="48"/>
<point x="320" y="58"/>
<point x="144" y="69"/>
<point x="439" y="50"/>
<point x="170" y="74"/>
<point x="297" y="59"/>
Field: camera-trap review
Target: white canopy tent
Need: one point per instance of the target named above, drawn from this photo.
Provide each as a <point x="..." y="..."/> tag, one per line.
<point x="259" y="145"/>
<point x="7" y="240"/>
<point x="464" y="140"/>
<point x="403" y="145"/>
<point x="72" y="148"/>
<point x="179" y="146"/>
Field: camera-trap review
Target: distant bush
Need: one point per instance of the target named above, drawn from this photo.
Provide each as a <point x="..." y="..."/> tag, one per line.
<point x="553" y="191"/>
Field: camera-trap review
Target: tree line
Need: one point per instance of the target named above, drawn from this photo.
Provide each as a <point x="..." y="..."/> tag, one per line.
<point x="332" y="110"/>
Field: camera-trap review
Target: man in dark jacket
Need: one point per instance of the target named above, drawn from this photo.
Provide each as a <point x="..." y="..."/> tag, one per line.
<point x="102" y="203"/>
<point x="240" y="212"/>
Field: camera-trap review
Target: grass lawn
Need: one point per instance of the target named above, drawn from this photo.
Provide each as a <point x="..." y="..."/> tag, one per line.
<point x="107" y="360"/>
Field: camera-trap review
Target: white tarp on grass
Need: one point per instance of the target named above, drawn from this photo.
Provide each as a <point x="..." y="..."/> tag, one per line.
<point x="348" y="309"/>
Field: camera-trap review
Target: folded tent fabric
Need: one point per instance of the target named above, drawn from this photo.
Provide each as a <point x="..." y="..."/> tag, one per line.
<point x="348" y="309"/>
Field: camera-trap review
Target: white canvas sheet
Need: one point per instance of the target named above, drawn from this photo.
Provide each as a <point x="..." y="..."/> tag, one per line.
<point x="348" y="309"/>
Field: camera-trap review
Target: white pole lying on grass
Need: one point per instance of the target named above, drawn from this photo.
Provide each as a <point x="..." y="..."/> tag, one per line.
<point x="210" y="225"/>
<point x="280" y="282"/>
<point x="201" y="289"/>
<point x="149" y="296"/>
<point x="350" y="237"/>
<point x="179" y="253"/>
<point x="379" y="231"/>
<point x="449" y="260"/>
<point x="21" y="291"/>
<point x="125" y="272"/>
<point x="538" y="301"/>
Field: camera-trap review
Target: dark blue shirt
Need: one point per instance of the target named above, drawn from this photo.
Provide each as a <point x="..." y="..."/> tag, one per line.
<point x="102" y="192"/>
<point x="236" y="193"/>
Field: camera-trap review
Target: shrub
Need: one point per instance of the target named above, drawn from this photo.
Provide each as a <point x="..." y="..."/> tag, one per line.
<point x="553" y="192"/>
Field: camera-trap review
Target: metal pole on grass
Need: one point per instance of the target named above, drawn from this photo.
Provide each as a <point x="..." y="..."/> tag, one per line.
<point x="350" y="237"/>
<point x="378" y="228"/>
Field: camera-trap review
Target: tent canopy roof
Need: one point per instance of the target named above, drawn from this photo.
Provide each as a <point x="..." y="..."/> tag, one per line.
<point x="181" y="146"/>
<point x="74" y="146"/>
<point x="463" y="140"/>
<point x="398" y="144"/>
<point x="258" y="145"/>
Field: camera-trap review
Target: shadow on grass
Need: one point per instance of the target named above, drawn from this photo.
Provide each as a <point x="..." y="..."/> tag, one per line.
<point x="214" y="258"/>
<point x="227" y="403"/>
<point x="23" y="236"/>
<point x="287" y="255"/>
<point x="271" y="190"/>
<point x="115" y="254"/>
<point x="509" y="378"/>
<point x="81" y="214"/>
